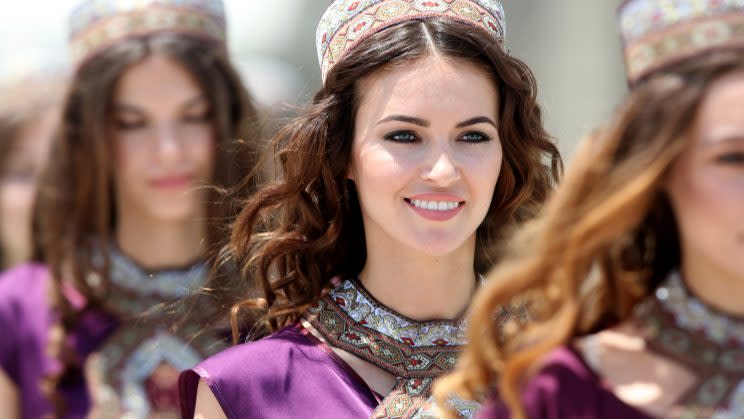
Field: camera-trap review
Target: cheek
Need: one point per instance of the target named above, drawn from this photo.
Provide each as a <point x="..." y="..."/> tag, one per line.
<point x="484" y="168"/>
<point x="203" y="152"/>
<point x="16" y="200"/>
<point x="378" y="167"/>
<point x="708" y="205"/>
<point x="130" y="157"/>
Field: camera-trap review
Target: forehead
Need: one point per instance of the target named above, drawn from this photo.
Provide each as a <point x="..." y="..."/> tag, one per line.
<point x="430" y="84"/>
<point x="156" y="80"/>
<point x="721" y="112"/>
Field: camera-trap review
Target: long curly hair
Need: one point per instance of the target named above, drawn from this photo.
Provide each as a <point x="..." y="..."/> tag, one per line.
<point x="605" y="240"/>
<point x="295" y="234"/>
<point x="75" y="216"/>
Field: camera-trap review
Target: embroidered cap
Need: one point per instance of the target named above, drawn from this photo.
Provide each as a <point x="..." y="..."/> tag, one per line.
<point x="347" y="22"/>
<point x="96" y="24"/>
<point x="657" y="33"/>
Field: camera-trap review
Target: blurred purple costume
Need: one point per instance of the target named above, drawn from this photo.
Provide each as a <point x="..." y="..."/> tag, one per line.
<point x="25" y="319"/>
<point x="140" y="354"/>
<point x="284" y="375"/>
<point x="566" y="388"/>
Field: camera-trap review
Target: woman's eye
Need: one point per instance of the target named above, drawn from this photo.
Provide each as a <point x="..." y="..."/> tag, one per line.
<point x="197" y="118"/>
<point x="401" y="137"/>
<point x="731" y="158"/>
<point x="475" y="137"/>
<point x="129" y="125"/>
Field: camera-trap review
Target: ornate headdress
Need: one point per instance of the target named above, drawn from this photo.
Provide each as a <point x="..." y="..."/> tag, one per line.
<point x="657" y="33"/>
<point x="347" y="22"/>
<point x="96" y="24"/>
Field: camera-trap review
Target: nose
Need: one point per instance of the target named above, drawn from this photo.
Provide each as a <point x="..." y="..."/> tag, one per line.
<point x="443" y="171"/>
<point x="168" y="147"/>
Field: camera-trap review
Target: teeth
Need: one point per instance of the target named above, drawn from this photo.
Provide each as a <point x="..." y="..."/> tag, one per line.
<point x="435" y="205"/>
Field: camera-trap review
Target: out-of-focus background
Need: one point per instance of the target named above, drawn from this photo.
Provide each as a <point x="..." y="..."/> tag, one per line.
<point x="571" y="45"/>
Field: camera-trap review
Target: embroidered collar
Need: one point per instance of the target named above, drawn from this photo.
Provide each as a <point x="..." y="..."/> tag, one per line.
<point x="691" y="314"/>
<point x="133" y="291"/>
<point x="416" y="352"/>
<point x="678" y="326"/>
<point x="138" y="360"/>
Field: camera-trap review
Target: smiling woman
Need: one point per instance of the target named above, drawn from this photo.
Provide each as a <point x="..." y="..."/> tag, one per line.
<point x="127" y="216"/>
<point x="423" y="148"/>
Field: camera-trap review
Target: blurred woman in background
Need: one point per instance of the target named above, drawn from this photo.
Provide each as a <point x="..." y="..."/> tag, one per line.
<point x="423" y="148"/>
<point x="633" y="276"/>
<point x="125" y="218"/>
<point x="29" y="111"/>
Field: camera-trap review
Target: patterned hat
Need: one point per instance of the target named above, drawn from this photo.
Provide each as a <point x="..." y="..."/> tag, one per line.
<point x="347" y="22"/>
<point x="657" y="33"/>
<point x="96" y="24"/>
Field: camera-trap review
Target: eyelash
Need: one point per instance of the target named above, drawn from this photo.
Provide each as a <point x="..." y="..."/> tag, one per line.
<point x="130" y="126"/>
<point x="394" y="136"/>
<point x="731" y="158"/>
<point x="197" y="119"/>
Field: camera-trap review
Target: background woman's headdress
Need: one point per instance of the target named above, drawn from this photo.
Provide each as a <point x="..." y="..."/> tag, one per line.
<point x="658" y="33"/>
<point x="347" y="22"/>
<point x="97" y="24"/>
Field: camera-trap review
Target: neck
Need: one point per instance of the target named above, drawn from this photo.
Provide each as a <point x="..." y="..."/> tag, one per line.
<point x="13" y="257"/>
<point x="716" y="287"/>
<point x="418" y="286"/>
<point x="154" y="244"/>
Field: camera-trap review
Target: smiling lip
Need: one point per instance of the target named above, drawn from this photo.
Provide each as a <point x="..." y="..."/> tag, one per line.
<point x="436" y="207"/>
<point x="172" y="182"/>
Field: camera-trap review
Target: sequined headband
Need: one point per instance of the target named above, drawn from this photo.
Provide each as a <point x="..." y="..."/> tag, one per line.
<point x="658" y="33"/>
<point x="347" y="22"/>
<point x="97" y="24"/>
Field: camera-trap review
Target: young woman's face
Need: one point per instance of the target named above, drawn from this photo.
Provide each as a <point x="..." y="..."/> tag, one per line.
<point x="706" y="184"/>
<point x="163" y="140"/>
<point x="18" y="184"/>
<point x="426" y="154"/>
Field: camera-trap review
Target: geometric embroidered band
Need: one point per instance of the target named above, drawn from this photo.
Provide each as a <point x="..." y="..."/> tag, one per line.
<point x="97" y="24"/>
<point x="348" y="22"/>
<point x="414" y="352"/>
<point x="658" y="33"/>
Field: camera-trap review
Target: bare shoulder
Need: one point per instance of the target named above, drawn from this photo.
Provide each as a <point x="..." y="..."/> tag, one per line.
<point x="207" y="406"/>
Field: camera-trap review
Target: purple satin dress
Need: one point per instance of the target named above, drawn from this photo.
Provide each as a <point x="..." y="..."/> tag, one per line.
<point x="566" y="388"/>
<point x="25" y="321"/>
<point x="289" y="374"/>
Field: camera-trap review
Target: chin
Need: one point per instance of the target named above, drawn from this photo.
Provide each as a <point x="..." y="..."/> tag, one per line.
<point x="174" y="214"/>
<point x="438" y="246"/>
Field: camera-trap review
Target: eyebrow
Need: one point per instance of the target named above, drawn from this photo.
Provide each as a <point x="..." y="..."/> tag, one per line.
<point x="425" y="123"/>
<point x="408" y="119"/>
<point x="476" y="120"/>
<point x="713" y="141"/>
<point x="126" y="107"/>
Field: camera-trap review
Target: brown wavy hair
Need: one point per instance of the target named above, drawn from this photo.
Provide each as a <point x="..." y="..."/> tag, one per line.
<point x="75" y="216"/>
<point x="605" y="240"/>
<point x="297" y="233"/>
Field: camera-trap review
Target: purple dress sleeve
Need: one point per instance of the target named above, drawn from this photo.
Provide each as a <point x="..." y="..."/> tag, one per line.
<point x="286" y="375"/>
<point x="25" y="319"/>
<point x="565" y="388"/>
